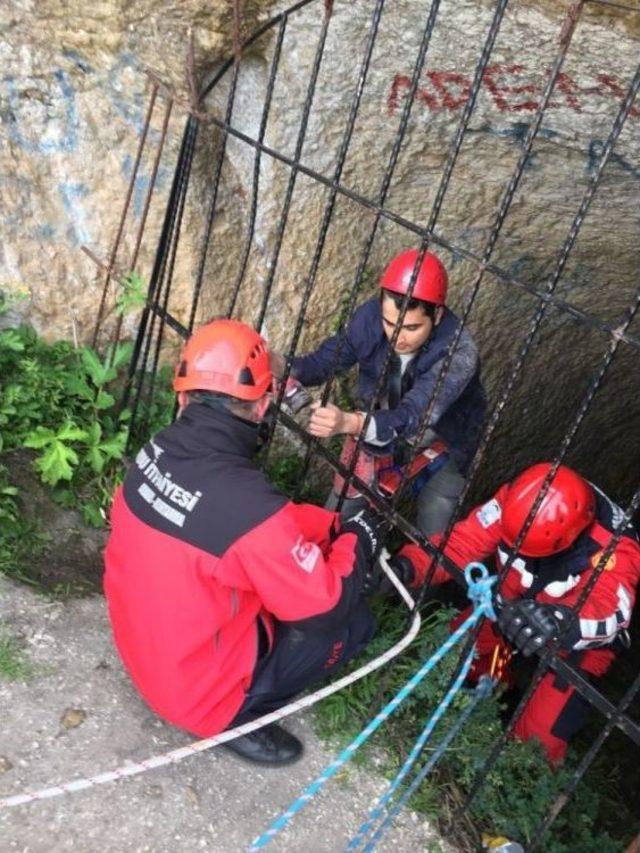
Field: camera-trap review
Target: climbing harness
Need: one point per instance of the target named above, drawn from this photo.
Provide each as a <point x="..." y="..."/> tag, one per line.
<point x="480" y="593"/>
<point x="386" y="473"/>
<point x="176" y="755"/>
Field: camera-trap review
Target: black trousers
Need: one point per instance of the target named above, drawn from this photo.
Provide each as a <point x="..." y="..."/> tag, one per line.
<point x="301" y="657"/>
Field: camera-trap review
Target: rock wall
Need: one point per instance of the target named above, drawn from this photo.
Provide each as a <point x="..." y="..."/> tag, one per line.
<point x="71" y="128"/>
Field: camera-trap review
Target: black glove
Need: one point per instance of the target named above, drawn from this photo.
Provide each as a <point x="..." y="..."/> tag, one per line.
<point x="377" y="581"/>
<point x="296" y="397"/>
<point x="530" y="625"/>
<point x="367" y="525"/>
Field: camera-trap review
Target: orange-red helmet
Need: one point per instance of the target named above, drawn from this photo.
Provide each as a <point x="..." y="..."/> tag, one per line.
<point x="566" y="510"/>
<point x="225" y="356"/>
<point x="431" y="280"/>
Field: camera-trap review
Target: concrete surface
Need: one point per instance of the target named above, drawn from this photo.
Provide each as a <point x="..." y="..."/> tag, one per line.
<point x="78" y="715"/>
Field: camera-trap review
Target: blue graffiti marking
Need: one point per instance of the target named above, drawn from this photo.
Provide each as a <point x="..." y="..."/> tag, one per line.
<point x="128" y="103"/>
<point x="72" y="195"/>
<point x="141" y="186"/>
<point x="67" y="129"/>
<point x="596" y="147"/>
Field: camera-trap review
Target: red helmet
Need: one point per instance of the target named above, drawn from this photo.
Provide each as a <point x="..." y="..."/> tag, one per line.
<point x="567" y="508"/>
<point x="431" y="281"/>
<point x="225" y="356"/>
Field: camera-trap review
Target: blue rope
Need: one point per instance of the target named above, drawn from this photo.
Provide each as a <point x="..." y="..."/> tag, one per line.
<point x="378" y="810"/>
<point x="483" y="689"/>
<point x="479" y="591"/>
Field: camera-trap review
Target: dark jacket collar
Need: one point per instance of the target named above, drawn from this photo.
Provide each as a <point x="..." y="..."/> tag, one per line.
<point x="205" y="429"/>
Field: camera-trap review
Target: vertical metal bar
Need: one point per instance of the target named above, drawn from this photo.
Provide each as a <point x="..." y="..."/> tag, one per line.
<point x="382" y="196"/>
<point x="257" y="160"/>
<point x="542" y="308"/>
<point x="583" y="766"/>
<point x="302" y="132"/>
<point x="214" y="199"/>
<point x="123" y="215"/>
<point x="543" y="665"/>
<point x="145" y="211"/>
<point x="181" y="175"/>
<point x="328" y="211"/>
<point x="168" y="281"/>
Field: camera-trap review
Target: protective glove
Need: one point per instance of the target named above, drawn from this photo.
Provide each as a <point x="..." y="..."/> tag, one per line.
<point x="530" y="626"/>
<point x="377" y="581"/>
<point x="367" y="526"/>
<point x="296" y="397"/>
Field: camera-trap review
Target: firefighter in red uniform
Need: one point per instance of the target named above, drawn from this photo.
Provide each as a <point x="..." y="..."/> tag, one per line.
<point x="225" y="598"/>
<point x="569" y="532"/>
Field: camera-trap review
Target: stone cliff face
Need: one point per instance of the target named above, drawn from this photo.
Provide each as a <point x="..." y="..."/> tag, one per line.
<point x="74" y="97"/>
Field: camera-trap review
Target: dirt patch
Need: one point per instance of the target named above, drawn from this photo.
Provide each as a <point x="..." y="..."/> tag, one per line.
<point x="63" y="555"/>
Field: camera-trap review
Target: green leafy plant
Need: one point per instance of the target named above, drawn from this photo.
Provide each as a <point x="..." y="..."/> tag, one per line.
<point x="132" y="294"/>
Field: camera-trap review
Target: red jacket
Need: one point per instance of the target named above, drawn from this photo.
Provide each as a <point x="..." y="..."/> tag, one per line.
<point x="556" y="580"/>
<point x="201" y="548"/>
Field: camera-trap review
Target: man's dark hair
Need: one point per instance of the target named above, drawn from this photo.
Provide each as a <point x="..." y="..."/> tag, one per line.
<point x="429" y="308"/>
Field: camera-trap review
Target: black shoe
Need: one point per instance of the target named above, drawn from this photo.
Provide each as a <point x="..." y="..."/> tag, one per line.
<point x="272" y="746"/>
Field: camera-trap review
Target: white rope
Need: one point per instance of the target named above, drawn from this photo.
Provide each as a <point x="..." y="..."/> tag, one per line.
<point x="176" y="755"/>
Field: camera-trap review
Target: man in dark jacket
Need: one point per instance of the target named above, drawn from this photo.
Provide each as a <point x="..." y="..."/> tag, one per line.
<point x="225" y="598"/>
<point x="427" y="331"/>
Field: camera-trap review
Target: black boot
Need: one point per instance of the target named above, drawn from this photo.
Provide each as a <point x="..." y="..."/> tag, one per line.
<point x="271" y="745"/>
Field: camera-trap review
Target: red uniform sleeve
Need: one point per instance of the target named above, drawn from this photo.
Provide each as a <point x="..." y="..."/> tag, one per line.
<point x="474" y="538"/>
<point x="608" y="608"/>
<point x="294" y="568"/>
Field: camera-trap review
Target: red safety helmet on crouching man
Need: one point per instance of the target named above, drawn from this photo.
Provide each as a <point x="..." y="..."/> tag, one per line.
<point x="227" y="357"/>
<point x="568" y="507"/>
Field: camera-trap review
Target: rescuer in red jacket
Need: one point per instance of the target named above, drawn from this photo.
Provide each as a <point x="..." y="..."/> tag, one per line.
<point x="556" y="559"/>
<point x="225" y="598"/>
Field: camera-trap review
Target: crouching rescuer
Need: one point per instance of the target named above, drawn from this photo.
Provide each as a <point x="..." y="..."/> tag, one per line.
<point x="225" y="598"/>
<point x="558" y="556"/>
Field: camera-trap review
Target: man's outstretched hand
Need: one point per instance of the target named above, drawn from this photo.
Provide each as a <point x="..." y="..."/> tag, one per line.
<point x="329" y="420"/>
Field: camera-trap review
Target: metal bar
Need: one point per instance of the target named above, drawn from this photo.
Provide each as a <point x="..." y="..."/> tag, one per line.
<point x="328" y="210"/>
<point x="566" y="34"/>
<point x="302" y="132"/>
<point x="125" y="209"/>
<point x="183" y="168"/>
<point x="537" y="320"/>
<point x="168" y="279"/>
<point x="177" y="327"/>
<point x="257" y="160"/>
<point x="601" y="703"/>
<point x="382" y="195"/>
<point x="583" y="766"/>
<point x="145" y="211"/>
<point x="577" y="313"/>
<point x="197" y="287"/>
<point x="191" y="127"/>
<point x="614" y="5"/>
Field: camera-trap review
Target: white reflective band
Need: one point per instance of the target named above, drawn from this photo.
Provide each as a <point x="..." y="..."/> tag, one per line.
<point x="559" y="588"/>
<point x="624" y="603"/>
<point x="526" y="578"/>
